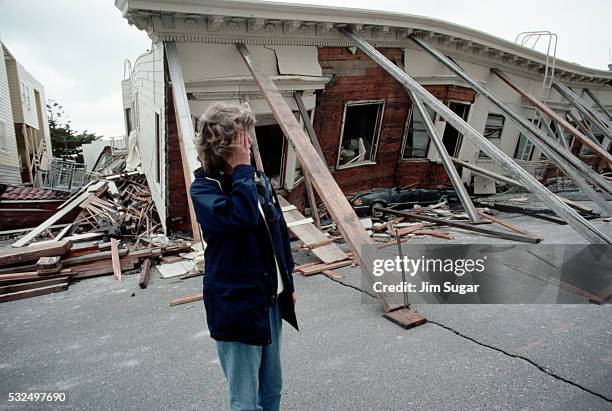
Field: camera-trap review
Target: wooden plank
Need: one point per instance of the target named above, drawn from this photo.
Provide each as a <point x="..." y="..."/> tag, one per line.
<point x="187" y="299"/>
<point x="309" y="234"/>
<point x="319" y="268"/>
<point x="10" y="256"/>
<point x="409" y="230"/>
<point x="94" y="269"/>
<point x="143" y="278"/>
<point x="507" y="225"/>
<point x="102" y="255"/>
<point x="63" y="232"/>
<point x="435" y="233"/>
<point x="7" y="289"/>
<point x="336" y="203"/>
<point x="301" y="267"/>
<point x="549" y="112"/>
<point x="467" y="227"/>
<point x="49" y="265"/>
<point x="307" y="220"/>
<point x="185" y="130"/>
<point x="33" y="293"/>
<point x="115" y="258"/>
<point x="51" y="220"/>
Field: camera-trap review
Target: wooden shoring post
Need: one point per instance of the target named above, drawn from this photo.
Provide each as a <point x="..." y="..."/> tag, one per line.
<point x="574" y="99"/>
<point x="564" y="159"/>
<point x="312" y="201"/>
<point x="451" y="171"/>
<point x="314" y="210"/>
<point x="582" y="226"/>
<point x="185" y="130"/>
<point x="254" y="143"/>
<point x="337" y="205"/>
<point x="549" y="112"/>
<point x="598" y="103"/>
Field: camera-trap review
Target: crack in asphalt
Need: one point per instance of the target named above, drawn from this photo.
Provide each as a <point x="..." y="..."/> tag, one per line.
<point x="500" y="350"/>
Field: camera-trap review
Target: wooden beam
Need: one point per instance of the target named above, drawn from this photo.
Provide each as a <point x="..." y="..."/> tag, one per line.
<point x="314" y="211"/>
<point x="187" y="299"/>
<point x="10" y="256"/>
<point x="18" y="295"/>
<point x="115" y="258"/>
<point x="508" y="225"/>
<point x="143" y="279"/>
<point x="51" y="220"/>
<point x="468" y="227"/>
<point x="185" y="130"/>
<point x="549" y="112"/>
<point x="331" y="195"/>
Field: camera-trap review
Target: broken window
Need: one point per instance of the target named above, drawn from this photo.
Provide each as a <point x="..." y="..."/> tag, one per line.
<point x="360" y="131"/>
<point x="3" y="142"/>
<point x="416" y="141"/>
<point x="524" y="148"/>
<point x="452" y="138"/>
<point x="493" y="131"/>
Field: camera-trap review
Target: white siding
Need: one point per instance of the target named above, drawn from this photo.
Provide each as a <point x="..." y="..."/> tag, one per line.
<point x="147" y="93"/>
<point x="28" y="104"/>
<point x="9" y="158"/>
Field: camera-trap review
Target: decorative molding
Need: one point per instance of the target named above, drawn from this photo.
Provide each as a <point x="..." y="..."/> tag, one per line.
<point x="254" y="29"/>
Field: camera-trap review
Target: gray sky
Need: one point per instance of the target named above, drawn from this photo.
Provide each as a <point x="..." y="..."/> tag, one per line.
<point x="76" y="48"/>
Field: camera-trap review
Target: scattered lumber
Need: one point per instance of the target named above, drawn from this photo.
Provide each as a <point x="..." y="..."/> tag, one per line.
<point x="508" y="225"/>
<point x="467" y="227"/>
<point x="33" y="292"/>
<point x="319" y="268"/>
<point x="49" y="265"/>
<point x="187" y="299"/>
<point x="115" y="258"/>
<point x="11" y="256"/>
<point x="143" y="279"/>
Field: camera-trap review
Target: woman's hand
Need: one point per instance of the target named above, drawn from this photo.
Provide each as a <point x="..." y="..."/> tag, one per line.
<point x="241" y="150"/>
<point x="294" y="298"/>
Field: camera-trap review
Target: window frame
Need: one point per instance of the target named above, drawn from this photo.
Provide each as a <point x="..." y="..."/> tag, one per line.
<point x="527" y="142"/>
<point x="377" y="128"/>
<point x="481" y="154"/>
<point x="407" y="129"/>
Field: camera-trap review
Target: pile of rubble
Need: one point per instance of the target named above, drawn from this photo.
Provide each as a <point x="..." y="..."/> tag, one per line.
<point x="116" y="231"/>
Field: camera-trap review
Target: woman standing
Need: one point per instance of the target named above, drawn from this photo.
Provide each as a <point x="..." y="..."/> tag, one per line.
<point x="248" y="285"/>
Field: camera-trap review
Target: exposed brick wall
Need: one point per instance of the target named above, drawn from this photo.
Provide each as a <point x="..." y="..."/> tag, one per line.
<point x="357" y="77"/>
<point x="177" y="208"/>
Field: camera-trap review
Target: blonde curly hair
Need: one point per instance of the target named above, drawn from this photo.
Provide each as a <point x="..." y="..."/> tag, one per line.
<point x="216" y="130"/>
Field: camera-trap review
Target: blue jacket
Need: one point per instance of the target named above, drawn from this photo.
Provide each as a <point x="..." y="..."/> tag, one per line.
<point x="240" y="273"/>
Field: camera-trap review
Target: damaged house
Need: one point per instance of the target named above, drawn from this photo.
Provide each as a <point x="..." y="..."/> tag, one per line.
<point x="25" y="142"/>
<point x="363" y="118"/>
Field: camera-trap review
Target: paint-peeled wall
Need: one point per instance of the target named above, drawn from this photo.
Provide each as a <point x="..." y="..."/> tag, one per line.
<point x="147" y="97"/>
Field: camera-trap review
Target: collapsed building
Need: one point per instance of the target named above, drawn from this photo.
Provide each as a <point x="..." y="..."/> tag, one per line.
<point x="366" y="125"/>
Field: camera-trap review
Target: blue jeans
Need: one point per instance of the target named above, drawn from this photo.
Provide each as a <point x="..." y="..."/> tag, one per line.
<point x="253" y="372"/>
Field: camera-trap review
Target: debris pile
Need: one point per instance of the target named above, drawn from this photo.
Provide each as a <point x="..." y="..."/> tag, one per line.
<point x="116" y="231"/>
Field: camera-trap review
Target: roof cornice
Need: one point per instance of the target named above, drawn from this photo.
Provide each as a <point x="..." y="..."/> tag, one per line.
<point x="262" y="22"/>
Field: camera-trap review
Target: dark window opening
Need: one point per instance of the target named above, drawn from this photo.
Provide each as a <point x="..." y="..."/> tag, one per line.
<point x="360" y="132"/>
<point x="158" y="148"/>
<point x="128" y="120"/>
<point x="416" y="142"/>
<point x="452" y="138"/>
<point x="271" y="141"/>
